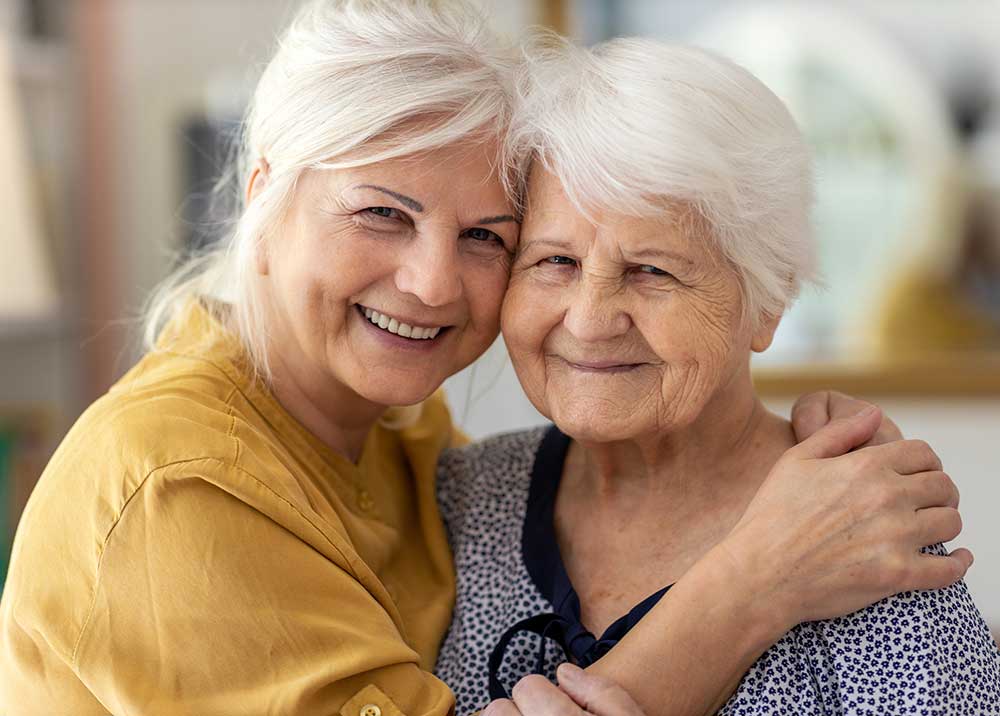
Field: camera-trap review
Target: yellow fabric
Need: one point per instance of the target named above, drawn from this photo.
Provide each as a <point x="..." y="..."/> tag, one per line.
<point x="192" y="549"/>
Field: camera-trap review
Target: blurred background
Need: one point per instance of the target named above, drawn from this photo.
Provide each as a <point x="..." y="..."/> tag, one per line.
<point x="115" y="116"/>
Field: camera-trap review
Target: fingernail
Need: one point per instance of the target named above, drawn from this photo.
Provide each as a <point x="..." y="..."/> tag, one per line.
<point x="865" y="412"/>
<point x="568" y="672"/>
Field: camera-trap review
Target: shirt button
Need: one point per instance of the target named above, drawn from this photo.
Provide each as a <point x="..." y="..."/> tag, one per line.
<point x="370" y="710"/>
<point x="367" y="504"/>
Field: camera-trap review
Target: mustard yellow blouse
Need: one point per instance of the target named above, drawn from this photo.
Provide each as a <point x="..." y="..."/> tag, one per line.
<point x="192" y="549"/>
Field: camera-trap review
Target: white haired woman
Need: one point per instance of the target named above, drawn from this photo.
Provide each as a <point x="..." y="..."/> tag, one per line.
<point x="666" y="231"/>
<point x="246" y="523"/>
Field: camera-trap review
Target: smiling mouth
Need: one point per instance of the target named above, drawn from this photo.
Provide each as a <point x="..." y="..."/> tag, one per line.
<point x="398" y="328"/>
<point x="603" y="367"/>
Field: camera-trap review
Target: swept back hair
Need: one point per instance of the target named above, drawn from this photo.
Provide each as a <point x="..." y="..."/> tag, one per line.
<point x="351" y="83"/>
<point x="642" y="127"/>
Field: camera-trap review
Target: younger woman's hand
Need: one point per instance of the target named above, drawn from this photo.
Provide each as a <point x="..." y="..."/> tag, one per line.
<point x="814" y="410"/>
<point x="832" y="531"/>
<point x="578" y="693"/>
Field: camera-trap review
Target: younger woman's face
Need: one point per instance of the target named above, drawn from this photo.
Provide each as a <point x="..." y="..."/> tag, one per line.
<point x="389" y="278"/>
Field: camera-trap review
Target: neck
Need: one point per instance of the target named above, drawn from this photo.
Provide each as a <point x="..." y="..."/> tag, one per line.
<point x="331" y="411"/>
<point x="724" y="453"/>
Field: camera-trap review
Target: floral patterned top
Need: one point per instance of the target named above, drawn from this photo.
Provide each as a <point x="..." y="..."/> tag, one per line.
<point x="927" y="653"/>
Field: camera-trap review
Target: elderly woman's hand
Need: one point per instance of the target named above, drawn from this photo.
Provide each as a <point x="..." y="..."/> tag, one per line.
<point x="814" y="410"/>
<point x="578" y="693"/>
<point x="829" y="533"/>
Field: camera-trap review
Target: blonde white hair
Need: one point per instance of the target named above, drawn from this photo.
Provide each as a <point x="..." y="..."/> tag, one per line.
<point x="352" y="82"/>
<point x="640" y="126"/>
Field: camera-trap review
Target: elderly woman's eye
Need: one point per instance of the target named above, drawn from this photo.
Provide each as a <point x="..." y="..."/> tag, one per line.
<point x="383" y="212"/>
<point x="560" y="260"/>
<point x="653" y="270"/>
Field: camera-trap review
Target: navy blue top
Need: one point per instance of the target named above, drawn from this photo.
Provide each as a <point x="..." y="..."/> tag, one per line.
<point x="544" y="563"/>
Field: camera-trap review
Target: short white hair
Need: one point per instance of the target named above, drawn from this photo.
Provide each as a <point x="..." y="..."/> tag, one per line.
<point x="637" y="126"/>
<point x="352" y="82"/>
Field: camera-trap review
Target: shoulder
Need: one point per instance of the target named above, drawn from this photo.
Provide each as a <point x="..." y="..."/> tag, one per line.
<point x="906" y="651"/>
<point x="505" y="457"/>
<point x="490" y="476"/>
<point x="504" y="452"/>
<point x="143" y="424"/>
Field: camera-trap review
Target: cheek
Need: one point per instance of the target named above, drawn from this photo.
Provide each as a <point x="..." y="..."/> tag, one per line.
<point x="529" y="314"/>
<point x="701" y="344"/>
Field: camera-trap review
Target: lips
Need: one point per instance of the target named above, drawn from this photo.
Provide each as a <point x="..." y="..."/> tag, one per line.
<point x="601" y="366"/>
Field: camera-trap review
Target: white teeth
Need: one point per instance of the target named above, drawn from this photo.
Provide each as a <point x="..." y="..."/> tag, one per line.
<point x="393" y="325"/>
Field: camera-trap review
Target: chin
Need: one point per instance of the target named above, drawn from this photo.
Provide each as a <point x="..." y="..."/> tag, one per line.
<point x="595" y="425"/>
<point x="394" y="393"/>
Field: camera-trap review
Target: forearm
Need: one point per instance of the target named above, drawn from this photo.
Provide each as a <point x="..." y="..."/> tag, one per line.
<point x="688" y="654"/>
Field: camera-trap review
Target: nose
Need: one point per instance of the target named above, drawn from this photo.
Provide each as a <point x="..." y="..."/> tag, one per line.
<point x="430" y="271"/>
<point x="595" y="314"/>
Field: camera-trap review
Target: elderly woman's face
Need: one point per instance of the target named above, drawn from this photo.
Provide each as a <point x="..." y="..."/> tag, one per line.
<point x="389" y="278"/>
<point x="623" y="328"/>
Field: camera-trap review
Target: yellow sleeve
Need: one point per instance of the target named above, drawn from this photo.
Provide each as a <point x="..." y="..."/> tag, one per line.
<point x="205" y="605"/>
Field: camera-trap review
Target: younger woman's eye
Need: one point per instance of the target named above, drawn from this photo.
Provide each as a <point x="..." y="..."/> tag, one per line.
<point x="480" y="234"/>
<point x="559" y="261"/>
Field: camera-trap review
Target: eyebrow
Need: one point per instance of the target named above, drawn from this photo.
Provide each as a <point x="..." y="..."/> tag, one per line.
<point x="501" y="219"/>
<point x="411" y="203"/>
<point x="652" y="253"/>
<point x="407" y="201"/>
<point x="642" y="254"/>
<point x="551" y="243"/>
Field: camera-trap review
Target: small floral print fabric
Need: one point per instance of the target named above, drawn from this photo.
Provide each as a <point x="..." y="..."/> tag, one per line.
<point x="926" y="653"/>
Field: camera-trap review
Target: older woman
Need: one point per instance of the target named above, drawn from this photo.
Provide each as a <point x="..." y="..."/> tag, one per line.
<point x="666" y="232"/>
<point x="246" y="523"/>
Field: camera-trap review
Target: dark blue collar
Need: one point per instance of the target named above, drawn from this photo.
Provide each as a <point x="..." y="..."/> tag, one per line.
<point x="540" y="551"/>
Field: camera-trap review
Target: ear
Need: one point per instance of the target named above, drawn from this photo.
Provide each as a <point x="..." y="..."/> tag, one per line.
<point x="764" y="333"/>
<point x="259" y="176"/>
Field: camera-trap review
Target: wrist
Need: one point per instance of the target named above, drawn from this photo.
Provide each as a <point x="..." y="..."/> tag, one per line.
<point x="745" y="590"/>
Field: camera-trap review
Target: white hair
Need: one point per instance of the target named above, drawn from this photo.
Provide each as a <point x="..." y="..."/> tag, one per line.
<point x="352" y="82"/>
<point x="639" y="126"/>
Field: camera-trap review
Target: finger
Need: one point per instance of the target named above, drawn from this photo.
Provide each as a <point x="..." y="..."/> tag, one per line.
<point x="907" y="457"/>
<point x="840" y="436"/>
<point x="932" y="489"/>
<point x="938" y="524"/>
<point x="933" y="571"/>
<point x="537" y="696"/>
<point x="887" y="432"/>
<point x="501" y="707"/>
<point x="810" y="413"/>
<point x="840" y="405"/>
<point x="595" y="694"/>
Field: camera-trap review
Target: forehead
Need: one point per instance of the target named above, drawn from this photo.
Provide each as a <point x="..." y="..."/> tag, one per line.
<point x="550" y="212"/>
<point x="462" y="172"/>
